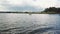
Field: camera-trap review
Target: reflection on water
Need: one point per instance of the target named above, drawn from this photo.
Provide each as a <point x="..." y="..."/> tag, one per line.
<point x="29" y="24"/>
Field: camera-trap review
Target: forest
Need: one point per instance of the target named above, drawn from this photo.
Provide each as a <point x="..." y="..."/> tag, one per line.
<point x="51" y="10"/>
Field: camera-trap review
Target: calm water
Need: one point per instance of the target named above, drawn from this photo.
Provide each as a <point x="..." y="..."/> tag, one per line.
<point x="29" y="24"/>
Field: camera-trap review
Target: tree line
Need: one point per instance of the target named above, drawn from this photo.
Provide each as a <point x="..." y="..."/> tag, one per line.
<point x="52" y="9"/>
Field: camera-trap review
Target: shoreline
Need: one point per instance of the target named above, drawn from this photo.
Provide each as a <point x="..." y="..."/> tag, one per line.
<point x="30" y="12"/>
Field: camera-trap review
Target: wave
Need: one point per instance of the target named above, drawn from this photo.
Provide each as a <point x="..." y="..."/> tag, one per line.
<point x="26" y="30"/>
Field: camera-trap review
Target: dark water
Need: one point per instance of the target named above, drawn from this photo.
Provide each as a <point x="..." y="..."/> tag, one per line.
<point x="29" y="24"/>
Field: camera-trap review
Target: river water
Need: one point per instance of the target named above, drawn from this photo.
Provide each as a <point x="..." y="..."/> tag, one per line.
<point x="29" y="24"/>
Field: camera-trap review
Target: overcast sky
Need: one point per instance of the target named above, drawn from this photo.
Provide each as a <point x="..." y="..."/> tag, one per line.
<point x="33" y="5"/>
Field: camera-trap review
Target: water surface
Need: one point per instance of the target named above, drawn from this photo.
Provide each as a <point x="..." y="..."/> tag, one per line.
<point x="29" y="24"/>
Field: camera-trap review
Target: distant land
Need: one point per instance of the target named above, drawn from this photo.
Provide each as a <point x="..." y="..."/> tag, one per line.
<point x="50" y="10"/>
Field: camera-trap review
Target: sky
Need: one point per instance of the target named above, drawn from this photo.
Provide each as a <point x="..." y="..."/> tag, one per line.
<point x="27" y="5"/>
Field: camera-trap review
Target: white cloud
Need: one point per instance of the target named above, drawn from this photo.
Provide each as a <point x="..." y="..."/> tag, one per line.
<point x="43" y="3"/>
<point x="15" y="2"/>
<point x="37" y="3"/>
<point x="58" y="3"/>
<point x="32" y="3"/>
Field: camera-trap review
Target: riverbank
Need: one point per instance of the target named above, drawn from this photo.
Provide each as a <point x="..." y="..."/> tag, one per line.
<point x="49" y="12"/>
<point x="32" y="12"/>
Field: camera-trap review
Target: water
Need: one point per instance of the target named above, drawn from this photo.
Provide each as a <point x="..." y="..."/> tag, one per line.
<point x="29" y="24"/>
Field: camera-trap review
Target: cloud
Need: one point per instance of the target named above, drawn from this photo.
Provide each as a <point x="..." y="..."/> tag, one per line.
<point x="34" y="5"/>
<point x="42" y="3"/>
<point x="58" y="3"/>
